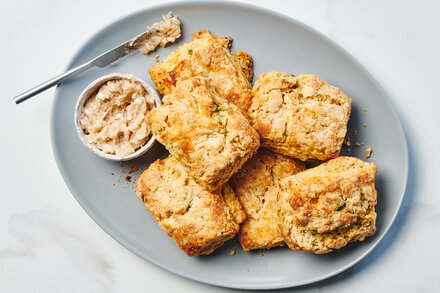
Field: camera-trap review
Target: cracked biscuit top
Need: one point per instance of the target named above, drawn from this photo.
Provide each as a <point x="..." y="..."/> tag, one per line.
<point x="326" y="207"/>
<point x="302" y="117"/>
<point x="207" y="135"/>
<point x="197" y="220"/>
<point x="207" y="56"/>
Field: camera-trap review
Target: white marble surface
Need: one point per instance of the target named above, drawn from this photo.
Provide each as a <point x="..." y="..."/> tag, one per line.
<point x="49" y="244"/>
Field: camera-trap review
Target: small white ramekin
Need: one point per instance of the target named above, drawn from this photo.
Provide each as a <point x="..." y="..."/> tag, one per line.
<point x="91" y="89"/>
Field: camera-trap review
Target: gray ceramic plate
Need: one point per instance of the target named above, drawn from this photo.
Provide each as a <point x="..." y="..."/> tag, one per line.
<point x="276" y="42"/>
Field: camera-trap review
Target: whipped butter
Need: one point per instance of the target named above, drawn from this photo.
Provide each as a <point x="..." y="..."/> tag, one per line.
<point x="113" y="119"/>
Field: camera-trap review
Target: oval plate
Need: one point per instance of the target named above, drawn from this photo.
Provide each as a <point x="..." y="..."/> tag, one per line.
<point x="276" y="42"/>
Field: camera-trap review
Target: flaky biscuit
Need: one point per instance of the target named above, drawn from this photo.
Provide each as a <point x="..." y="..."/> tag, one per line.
<point x="255" y="185"/>
<point x="207" y="135"/>
<point x="207" y="56"/>
<point x="197" y="220"/>
<point x="302" y="117"/>
<point x="326" y="207"/>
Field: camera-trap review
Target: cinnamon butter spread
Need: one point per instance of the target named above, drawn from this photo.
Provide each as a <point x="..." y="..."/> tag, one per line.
<point x="163" y="32"/>
<point x="114" y="118"/>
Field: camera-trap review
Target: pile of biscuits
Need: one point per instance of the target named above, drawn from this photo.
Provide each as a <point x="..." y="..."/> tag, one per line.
<point x="237" y="153"/>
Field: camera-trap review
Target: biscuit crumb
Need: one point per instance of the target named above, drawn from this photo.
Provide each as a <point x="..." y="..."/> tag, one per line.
<point x="157" y="58"/>
<point x="261" y="254"/>
<point x="128" y="178"/>
<point x="365" y="124"/>
<point x="232" y="252"/>
<point x="348" y="150"/>
<point x="355" y="133"/>
<point x="113" y="184"/>
<point x="357" y="144"/>
<point x="363" y="143"/>
<point x="133" y="168"/>
<point x="347" y="141"/>
<point x="368" y="152"/>
<point x="122" y="171"/>
<point x="364" y="109"/>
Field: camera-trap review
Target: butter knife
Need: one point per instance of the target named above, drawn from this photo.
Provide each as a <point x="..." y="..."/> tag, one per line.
<point x="101" y="61"/>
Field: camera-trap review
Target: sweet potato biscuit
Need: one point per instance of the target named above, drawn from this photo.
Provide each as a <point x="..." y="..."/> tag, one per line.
<point x="207" y="56"/>
<point x="197" y="220"/>
<point x="255" y="184"/>
<point x="326" y="207"/>
<point x="302" y="117"/>
<point x="209" y="136"/>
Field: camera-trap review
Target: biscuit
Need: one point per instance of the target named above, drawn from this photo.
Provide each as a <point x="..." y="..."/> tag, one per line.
<point x="302" y="117"/>
<point x="197" y="220"/>
<point x="207" y="135"/>
<point x="207" y="56"/>
<point x="255" y="185"/>
<point x="326" y="207"/>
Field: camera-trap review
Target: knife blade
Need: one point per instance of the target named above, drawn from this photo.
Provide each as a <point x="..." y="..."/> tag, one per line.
<point x="120" y="51"/>
<point x="100" y="61"/>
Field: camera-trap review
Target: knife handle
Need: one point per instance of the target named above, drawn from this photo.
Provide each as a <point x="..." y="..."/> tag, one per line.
<point x="52" y="82"/>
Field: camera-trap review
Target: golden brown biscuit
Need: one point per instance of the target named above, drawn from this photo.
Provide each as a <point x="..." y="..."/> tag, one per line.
<point x="255" y="184"/>
<point x="207" y="56"/>
<point x="302" y="117"/>
<point x="207" y="135"/>
<point x="197" y="220"/>
<point x="326" y="207"/>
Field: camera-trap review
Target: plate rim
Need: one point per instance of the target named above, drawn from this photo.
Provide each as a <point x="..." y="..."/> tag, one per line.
<point x="279" y="285"/>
